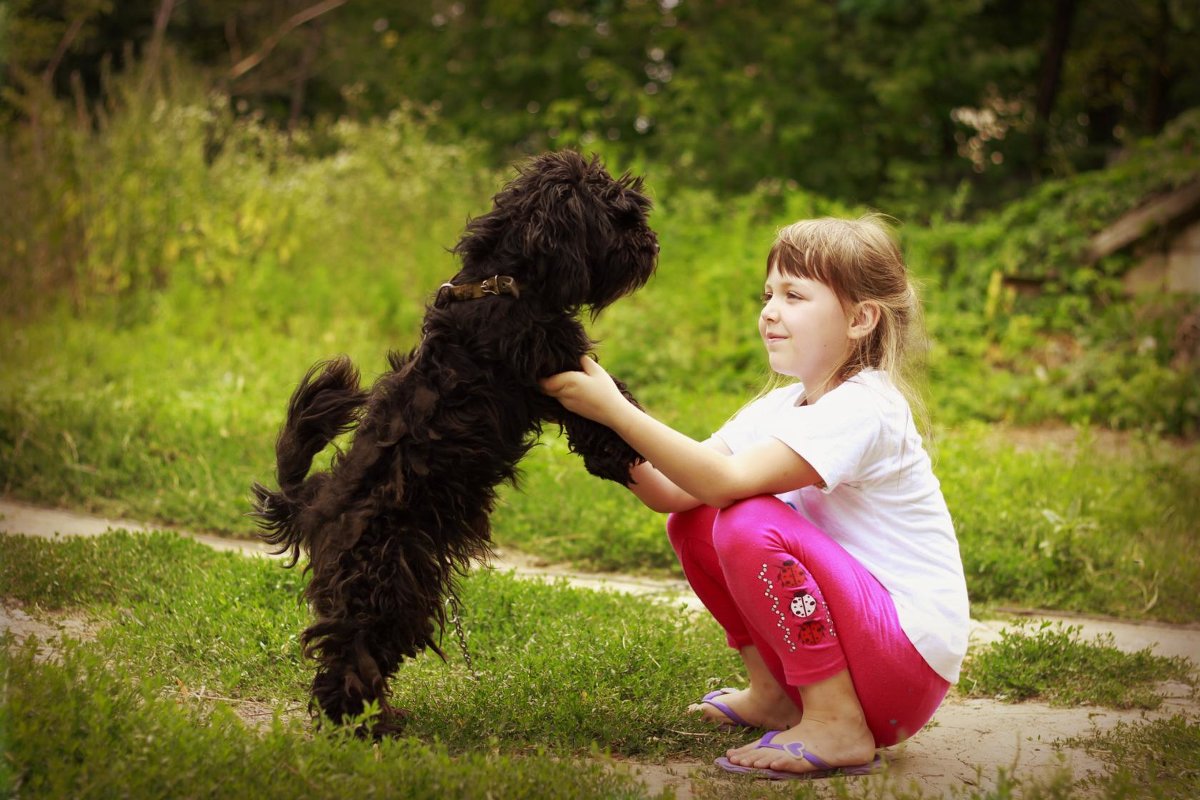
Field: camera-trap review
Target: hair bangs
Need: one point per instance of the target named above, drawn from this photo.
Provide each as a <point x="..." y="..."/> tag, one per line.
<point x="814" y="250"/>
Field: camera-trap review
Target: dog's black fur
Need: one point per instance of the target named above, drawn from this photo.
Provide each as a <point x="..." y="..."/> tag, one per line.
<point x="405" y="508"/>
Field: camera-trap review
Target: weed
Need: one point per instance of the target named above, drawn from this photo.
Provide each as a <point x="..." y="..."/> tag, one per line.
<point x="1159" y="759"/>
<point x="1053" y="665"/>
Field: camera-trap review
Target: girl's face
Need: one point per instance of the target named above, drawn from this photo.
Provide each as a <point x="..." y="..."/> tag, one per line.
<point x="805" y="329"/>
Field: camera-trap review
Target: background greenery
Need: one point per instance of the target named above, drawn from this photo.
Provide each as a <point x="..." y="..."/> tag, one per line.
<point x="203" y="199"/>
<point x="161" y="307"/>
<point x="883" y="101"/>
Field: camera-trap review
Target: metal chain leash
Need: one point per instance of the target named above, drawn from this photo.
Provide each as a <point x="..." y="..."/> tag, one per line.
<point x="456" y="618"/>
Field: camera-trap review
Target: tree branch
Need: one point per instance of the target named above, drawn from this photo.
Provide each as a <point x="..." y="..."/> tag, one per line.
<point x="61" y="51"/>
<point x="296" y="20"/>
<point x="161" y="19"/>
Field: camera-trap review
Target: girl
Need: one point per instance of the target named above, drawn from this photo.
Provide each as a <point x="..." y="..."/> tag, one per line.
<point x="811" y="524"/>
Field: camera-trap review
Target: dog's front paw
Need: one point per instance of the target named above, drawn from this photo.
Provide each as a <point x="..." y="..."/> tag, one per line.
<point x="613" y="466"/>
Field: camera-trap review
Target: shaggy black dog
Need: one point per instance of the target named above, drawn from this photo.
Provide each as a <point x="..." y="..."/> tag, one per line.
<point x="404" y="510"/>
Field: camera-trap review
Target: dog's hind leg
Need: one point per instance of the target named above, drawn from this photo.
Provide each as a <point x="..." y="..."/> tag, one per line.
<point x="352" y="673"/>
<point x="371" y="614"/>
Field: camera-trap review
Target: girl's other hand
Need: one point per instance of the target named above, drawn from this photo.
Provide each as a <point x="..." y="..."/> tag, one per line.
<point x="590" y="393"/>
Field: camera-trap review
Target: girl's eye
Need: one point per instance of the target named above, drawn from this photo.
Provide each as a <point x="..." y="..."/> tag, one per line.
<point x="794" y="296"/>
<point x="765" y="297"/>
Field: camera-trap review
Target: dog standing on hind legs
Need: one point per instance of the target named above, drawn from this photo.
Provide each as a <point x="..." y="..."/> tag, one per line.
<point x="405" y="509"/>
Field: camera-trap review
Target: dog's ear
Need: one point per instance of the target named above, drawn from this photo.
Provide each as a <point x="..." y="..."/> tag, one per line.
<point x="555" y="241"/>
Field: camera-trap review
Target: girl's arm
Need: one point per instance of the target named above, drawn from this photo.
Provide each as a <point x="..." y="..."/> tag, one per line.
<point x="706" y="474"/>
<point x="658" y="492"/>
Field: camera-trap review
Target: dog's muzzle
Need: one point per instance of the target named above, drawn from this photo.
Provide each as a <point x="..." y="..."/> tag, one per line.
<point x="495" y="285"/>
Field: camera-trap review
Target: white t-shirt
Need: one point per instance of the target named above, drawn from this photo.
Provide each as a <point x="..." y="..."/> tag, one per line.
<point x="880" y="500"/>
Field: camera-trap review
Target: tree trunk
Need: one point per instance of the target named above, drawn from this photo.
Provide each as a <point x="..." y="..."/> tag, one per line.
<point x="1051" y="74"/>
<point x="300" y="84"/>
<point x="1155" y="114"/>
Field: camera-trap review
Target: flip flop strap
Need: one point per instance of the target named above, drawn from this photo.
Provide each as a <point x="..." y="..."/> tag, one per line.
<point x="793" y="749"/>
<point x="723" y="708"/>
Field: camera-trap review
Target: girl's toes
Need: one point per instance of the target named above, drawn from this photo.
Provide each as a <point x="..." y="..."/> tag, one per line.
<point x="738" y="752"/>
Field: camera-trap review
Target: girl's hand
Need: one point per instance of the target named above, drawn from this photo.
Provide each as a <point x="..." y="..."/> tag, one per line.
<point x="590" y="393"/>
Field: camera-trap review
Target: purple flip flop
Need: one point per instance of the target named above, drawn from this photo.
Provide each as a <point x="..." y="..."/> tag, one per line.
<point x="796" y="750"/>
<point x="735" y="719"/>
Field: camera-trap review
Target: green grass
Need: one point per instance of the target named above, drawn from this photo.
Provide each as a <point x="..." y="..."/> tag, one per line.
<point x="1085" y="527"/>
<point x="154" y="425"/>
<point x="82" y="729"/>
<point x="1052" y="664"/>
<point x="565" y="678"/>
<point x="557" y="667"/>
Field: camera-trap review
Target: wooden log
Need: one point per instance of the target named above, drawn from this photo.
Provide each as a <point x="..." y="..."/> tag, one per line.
<point x="1141" y="221"/>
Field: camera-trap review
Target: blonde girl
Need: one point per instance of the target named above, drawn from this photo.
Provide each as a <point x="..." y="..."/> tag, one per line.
<point x="811" y="524"/>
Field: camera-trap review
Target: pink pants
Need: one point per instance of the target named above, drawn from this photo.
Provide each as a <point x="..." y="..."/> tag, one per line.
<point x="773" y="579"/>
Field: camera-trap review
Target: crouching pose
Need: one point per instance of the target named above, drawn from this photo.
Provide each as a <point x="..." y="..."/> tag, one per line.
<point x="811" y="524"/>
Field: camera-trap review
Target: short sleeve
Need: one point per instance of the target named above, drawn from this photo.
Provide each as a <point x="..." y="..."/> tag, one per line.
<point x="836" y="435"/>
<point x="746" y="427"/>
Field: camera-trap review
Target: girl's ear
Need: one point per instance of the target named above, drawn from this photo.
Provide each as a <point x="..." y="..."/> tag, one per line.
<point x="864" y="319"/>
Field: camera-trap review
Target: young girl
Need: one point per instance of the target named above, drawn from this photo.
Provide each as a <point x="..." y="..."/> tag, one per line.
<point x="811" y="524"/>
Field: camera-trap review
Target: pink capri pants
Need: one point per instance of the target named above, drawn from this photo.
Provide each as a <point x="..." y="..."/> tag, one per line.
<point x="774" y="580"/>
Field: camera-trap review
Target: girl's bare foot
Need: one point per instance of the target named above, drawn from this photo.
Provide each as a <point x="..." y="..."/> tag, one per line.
<point x="833" y="729"/>
<point x="765" y="704"/>
<point x="837" y="743"/>
<point x="759" y="708"/>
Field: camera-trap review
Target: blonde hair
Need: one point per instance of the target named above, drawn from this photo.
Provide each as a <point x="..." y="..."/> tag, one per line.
<point x="860" y="261"/>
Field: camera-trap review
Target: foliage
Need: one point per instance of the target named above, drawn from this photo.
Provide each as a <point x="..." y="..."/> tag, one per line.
<point x="176" y="190"/>
<point x="830" y="96"/>
<point x="1053" y="665"/>
<point x="866" y="100"/>
<point x="1077" y="349"/>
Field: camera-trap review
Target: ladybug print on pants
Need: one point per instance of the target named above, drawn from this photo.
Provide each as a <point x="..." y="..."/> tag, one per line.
<point x="803" y="604"/>
<point x="792" y="575"/>
<point x="811" y="632"/>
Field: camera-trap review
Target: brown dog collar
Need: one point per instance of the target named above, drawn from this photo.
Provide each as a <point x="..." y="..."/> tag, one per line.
<point x="495" y="285"/>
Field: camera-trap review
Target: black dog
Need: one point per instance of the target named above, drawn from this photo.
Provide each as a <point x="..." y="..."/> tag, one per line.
<point x="405" y="509"/>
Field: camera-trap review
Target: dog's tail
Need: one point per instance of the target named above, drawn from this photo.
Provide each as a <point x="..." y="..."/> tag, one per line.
<point x="326" y="404"/>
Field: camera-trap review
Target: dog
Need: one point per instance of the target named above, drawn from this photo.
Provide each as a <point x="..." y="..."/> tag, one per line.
<point x="404" y="509"/>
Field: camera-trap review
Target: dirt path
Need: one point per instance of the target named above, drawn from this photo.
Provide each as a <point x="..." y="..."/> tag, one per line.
<point x="967" y="742"/>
